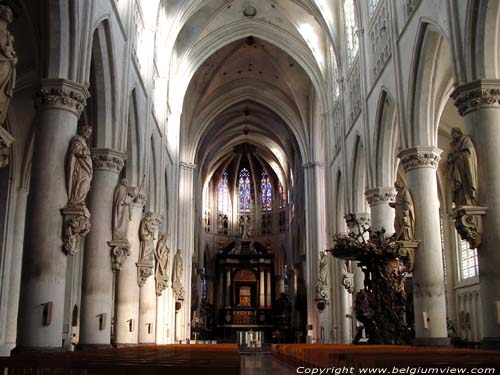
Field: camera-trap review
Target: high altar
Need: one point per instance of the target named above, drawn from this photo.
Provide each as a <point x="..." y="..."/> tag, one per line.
<point x="245" y="271"/>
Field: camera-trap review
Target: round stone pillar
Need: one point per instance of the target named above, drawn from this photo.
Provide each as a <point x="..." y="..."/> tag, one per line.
<point x="97" y="283"/>
<point x="479" y="104"/>
<point x="420" y="164"/>
<point x="127" y="289"/>
<point x="356" y="222"/>
<point x="382" y="215"/>
<point x="41" y="307"/>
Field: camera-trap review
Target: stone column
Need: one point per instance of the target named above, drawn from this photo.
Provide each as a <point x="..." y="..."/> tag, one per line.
<point x="15" y="269"/>
<point x="355" y="223"/>
<point x="262" y="293"/>
<point x="479" y="104"/>
<point x="382" y="215"/>
<point x="186" y="241"/>
<point x="97" y="286"/>
<point x="41" y="308"/>
<point x="268" y="288"/>
<point x="420" y="164"/>
<point x="228" y="287"/>
<point x="127" y="289"/>
<point x="315" y="236"/>
<point x="147" y="301"/>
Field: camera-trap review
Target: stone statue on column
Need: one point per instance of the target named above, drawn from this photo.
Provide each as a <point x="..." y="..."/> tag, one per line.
<point x="244" y="227"/>
<point x="462" y="173"/>
<point x="462" y="176"/>
<point x="404" y="220"/>
<point x="122" y="215"/>
<point x="79" y="171"/>
<point x="322" y="284"/>
<point x="177" y="276"/>
<point x="161" y="272"/>
<point x="147" y="248"/>
<point x="8" y="61"/>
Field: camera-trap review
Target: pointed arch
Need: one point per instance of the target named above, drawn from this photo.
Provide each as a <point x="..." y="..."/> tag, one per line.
<point x="359" y="177"/>
<point x="134" y="141"/>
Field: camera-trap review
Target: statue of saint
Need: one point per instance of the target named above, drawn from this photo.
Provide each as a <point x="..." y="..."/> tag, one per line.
<point x="161" y="255"/>
<point x="244" y="227"/>
<point x="177" y="271"/>
<point x="462" y="174"/>
<point x="404" y="221"/>
<point x="146" y="235"/>
<point x="79" y="168"/>
<point x="323" y="268"/>
<point x="121" y="211"/>
<point x="8" y="61"/>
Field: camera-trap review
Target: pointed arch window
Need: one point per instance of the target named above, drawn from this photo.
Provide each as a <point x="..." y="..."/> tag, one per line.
<point x="244" y="190"/>
<point x="267" y="191"/>
<point x="223" y="200"/>
<point x="352" y="41"/>
<point x="372" y="6"/>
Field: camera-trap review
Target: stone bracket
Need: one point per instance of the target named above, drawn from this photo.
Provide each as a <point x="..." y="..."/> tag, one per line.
<point x="76" y="224"/>
<point x="120" y="250"/>
<point x="406" y="253"/>
<point x="161" y="284"/>
<point x="178" y="290"/>
<point x="348" y="281"/>
<point x="144" y="270"/>
<point x="6" y="141"/>
<point x="469" y="223"/>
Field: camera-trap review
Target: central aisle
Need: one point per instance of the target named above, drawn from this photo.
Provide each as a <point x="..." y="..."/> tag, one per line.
<point x="264" y="364"/>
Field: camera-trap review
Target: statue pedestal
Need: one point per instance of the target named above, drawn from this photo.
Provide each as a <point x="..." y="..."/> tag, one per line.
<point x="469" y="223"/>
<point x="144" y="270"/>
<point x="161" y="284"/>
<point x="120" y="250"/>
<point x="76" y="224"/>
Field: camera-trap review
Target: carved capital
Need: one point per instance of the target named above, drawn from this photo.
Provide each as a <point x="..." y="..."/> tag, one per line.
<point x="120" y="250"/>
<point x="62" y="94"/>
<point x="187" y="166"/>
<point x="477" y="95"/>
<point x="314" y="164"/>
<point x="107" y="159"/>
<point x="420" y="157"/>
<point x="469" y="223"/>
<point x="76" y="224"/>
<point x="380" y="195"/>
<point x="6" y="140"/>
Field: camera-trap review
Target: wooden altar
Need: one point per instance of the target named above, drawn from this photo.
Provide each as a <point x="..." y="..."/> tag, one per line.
<point x="245" y="291"/>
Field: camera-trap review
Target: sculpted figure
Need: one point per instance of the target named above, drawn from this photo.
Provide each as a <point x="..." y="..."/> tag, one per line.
<point x="8" y="61"/>
<point x="79" y="168"/>
<point x="146" y="235"/>
<point x="177" y="272"/>
<point x="462" y="174"/>
<point x="244" y="227"/>
<point x="161" y="255"/>
<point x="323" y="268"/>
<point x="121" y="211"/>
<point x="404" y="221"/>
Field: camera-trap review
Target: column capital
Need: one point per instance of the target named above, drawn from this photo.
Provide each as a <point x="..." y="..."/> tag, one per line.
<point x="108" y="159"/>
<point x="476" y="95"/>
<point x="380" y="195"/>
<point x="63" y="94"/>
<point x="187" y="166"/>
<point x="314" y="164"/>
<point x="420" y="157"/>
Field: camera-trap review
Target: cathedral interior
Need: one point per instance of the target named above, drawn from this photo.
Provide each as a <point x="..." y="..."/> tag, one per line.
<point x="249" y="172"/>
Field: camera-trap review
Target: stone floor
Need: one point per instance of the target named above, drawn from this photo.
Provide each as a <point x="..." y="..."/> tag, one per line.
<point x="264" y="364"/>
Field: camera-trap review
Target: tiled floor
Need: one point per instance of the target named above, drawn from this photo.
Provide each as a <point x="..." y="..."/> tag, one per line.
<point x="264" y="364"/>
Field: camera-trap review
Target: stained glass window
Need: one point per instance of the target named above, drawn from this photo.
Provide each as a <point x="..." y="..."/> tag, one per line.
<point x="352" y="41"/>
<point x="266" y="190"/>
<point x="372" y="6"/>
<point x="223" y="201"/>
<point x="468" y="260"/>
<point x="244" y="190"/>
<point x="335" y="75"/>
<point x="282" y="196"/>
